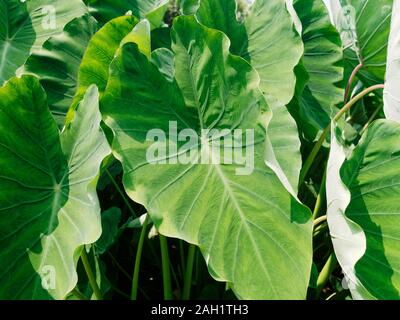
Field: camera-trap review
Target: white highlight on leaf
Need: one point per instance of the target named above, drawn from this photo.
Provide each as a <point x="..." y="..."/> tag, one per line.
<point x="392" y="85"/>
<point x="49" y="21"/>
<point x="349" y="240"/>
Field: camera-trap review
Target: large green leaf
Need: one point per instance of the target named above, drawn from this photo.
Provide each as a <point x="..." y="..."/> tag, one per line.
<point x="48" y="202"/>
<point x="57" y="64"/>
<point x="365" y="26"/>
<point x="323" y="61"/>
<point x="267" y="27"/>
<point x="253" y="233"/>
<point x="105" y="10"/>
<point x="392" y="85"/>
<point x="364" y="210"/>
<point x="25" y="26"/>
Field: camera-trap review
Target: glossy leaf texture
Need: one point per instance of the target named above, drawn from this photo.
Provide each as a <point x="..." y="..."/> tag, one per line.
<point x="364" y="228"/>
<point x="244" y="224"/>
<point x="267" y="28"/>
<point x="323" y="61"/>
<point x="106" y="10"/>
<point x="392" y="84"/>
<point x="25" y="26"/>
<point x="48" y="202"/>
<point x="57" y="64"/>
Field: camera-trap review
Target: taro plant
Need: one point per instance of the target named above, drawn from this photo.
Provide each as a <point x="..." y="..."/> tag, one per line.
<point x="200" y="149"/>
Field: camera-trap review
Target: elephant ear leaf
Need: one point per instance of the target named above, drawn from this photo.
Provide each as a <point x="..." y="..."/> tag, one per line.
<point x="365" y="230"/>
<point x="48" y="205"/>
<point x="27" y="25"/>
<point x="245" y="222"/>
<point x="392" y="85"/>
<point x="57" y="64"/>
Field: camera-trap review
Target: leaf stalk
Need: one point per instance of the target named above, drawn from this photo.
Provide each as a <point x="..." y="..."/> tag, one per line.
<point x="90" y="275"/>
<point x="135" y="278"/>
<point x="310" y="160"/>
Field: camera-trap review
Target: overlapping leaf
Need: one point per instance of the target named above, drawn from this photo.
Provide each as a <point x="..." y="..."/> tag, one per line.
<point x="57" y="64"/>
<point x="48" y="202"/>
<point x="25" y="26"/>
<point x="245" y="225"/>
<point x="110" y="220"/>
<point x="94" y="68"/>
<point x="268" y="41"/>
<point x="365" y="230"/>
<point x="365" y="27"/>
<point x="106" y="10"/>
<point x="323" y="61"/>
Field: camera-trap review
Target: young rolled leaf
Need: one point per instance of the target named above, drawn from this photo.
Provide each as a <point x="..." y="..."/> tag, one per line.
<point x="57" y="64"/>
<point x="27" y="25"/>
<point x="48" y="201"/>
<point x="365" y="230"/>
<point x="392" y="84"/>
<point x="253" y="233"/>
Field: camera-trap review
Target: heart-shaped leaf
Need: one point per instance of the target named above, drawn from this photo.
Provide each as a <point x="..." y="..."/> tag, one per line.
<point x="252" y="232"/>
<point x="48" y="201"/>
